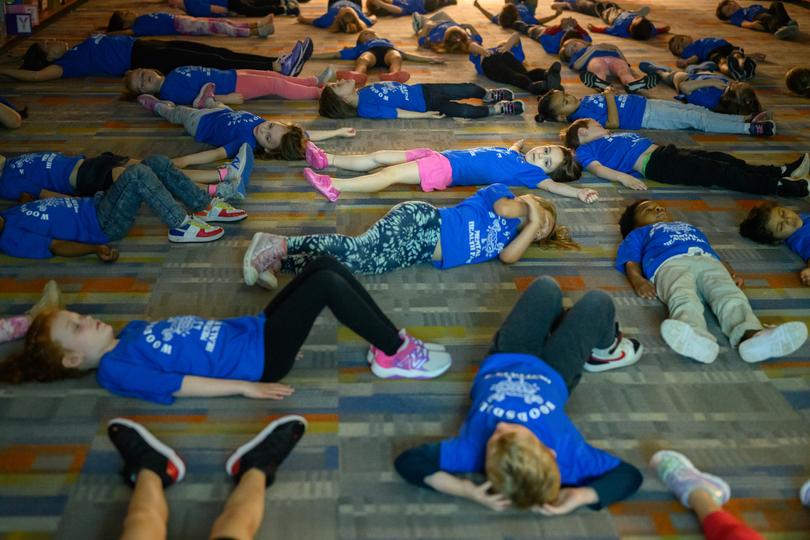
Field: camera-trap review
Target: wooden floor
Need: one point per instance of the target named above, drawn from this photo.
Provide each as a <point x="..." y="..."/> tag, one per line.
<point x="747" y="423"/>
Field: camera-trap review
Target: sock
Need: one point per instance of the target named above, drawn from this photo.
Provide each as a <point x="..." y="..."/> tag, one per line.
<point x="223" y="173"/>
<point x="212" y="190"/>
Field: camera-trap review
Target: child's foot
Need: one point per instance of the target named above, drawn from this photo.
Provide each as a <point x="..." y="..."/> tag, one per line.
<point x="316" y="156"/>
<point x="322" y="183"/>
<point x="682" y="478"/>
<point x="413" y="360"/>
<point x="265" y="26"/>
<point x="437" y="347"/>
<point x="650" y="80"/>
<point x="240" y="168"/>
<point x="592" y="81"/>
<point x="494" y="95"/>
<point x="265" y="253"/>
<point x="708" y="65"/>
<point x="623" y="352"/>
<point x="417" y="21"/>
<point x="220" y="211"/>
<point x="267" y="280"/>
<point x="686" y="341"/>
<point x="150" y="102"/>
<point x="267" y="450"/>
<point x="762" y="129"/>
<point x="787" y="32"/>
<point x="553" y="79"/>
<point x="749" y="69"/>
<point x="293" y="62"/>
<point x="396" y="76"/>
<point x="205" y="97"/>
<point x="356" y="76"/>
<point x="773" y="342"/>
<point x="509" y="108"/>
<point x="194" y="230"/>
<point x="51" y="299"/>
<point x="140" y="449"/>
<point x="798" y="168"/>
<point x="326" y="76"/>
<point x="649" y="67"/>
<point x="804" y="494"/>
<point x="791" y="187"/>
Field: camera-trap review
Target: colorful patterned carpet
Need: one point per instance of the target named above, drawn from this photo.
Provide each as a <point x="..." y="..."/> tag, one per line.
<point x="747" y="423"/>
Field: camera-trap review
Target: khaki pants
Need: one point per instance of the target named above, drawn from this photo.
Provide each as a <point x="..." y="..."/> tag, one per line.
<point x="684" y="283"/>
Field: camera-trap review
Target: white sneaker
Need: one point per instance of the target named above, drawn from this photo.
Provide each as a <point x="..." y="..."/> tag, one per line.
<point x="432" y="347"/>
<point x="682" y="478"/>
<point x="773" y="342"/>
<point x="686" y="341"/>
<point x="195" y="230"/>
<point x="263" y="256"/>
<point x="624" y="352"/>
<point x="804" y="494"/>
<point x="220" y="211"/>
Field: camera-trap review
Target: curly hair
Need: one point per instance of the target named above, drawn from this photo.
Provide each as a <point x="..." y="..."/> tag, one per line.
<point x="755" y="225"/>
<point x="627" y="221"/>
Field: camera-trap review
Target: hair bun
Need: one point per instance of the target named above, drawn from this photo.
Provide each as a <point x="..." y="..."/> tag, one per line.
<point x="539" y="119"/>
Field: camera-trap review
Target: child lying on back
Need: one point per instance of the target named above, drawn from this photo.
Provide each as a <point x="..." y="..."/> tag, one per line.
<point x="770" y="223"/>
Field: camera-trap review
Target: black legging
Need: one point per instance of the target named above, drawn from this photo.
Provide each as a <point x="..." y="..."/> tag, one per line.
<point x="775" y="18"/>
<point x="290" y="315"/>
<point x="441" y="97"/>
<point x="257" y="8"/>
<point x="503" y="67"/>
<point x="166" y="56"/>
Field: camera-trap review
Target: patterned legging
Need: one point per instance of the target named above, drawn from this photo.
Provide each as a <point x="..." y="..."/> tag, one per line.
<point x="203" y="26"/>
<point x="405" y="236"/>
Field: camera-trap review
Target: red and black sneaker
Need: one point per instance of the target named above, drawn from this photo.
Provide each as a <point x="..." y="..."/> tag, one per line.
<point x="267" y="450"/>
<point x="622" y="352"/>
<point x="140" y="449"/>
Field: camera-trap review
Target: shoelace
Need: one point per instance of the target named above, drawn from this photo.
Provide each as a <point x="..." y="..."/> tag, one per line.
<point x="417" y="357"/>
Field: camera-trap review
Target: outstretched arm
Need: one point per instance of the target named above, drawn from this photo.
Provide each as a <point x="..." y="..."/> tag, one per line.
<point x="9" y="117"/>
<point x="421" y="58"/>
<point x="613" y="120"/>
<point x="317" y="135"/>
<point x="487" y="14"/>
<point x="306" y="20"/>
<point x="613" y="175"/>
<point x="234" y="98"/>
<point x="507" y="45"/>
<point x="544" y="20"/>
<point x="210" y="387"/>
<point x="585" y="195"/>
<point x="523" y="206"/>
<point x="402" y="113"/>
<point x="642" y="286"/>
<point x="754" y="25"/>
<point x="200" y="158"/>
<point x="597" y="29"/>
<point x="46" y="74"/>
<point x="67" y="248"/>
<point x="335" y="55"/>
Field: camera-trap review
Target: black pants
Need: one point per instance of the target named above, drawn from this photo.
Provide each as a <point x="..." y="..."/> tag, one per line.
<point x="168" y="55"/>
<point x="672" y="165"/>
<point x="95" y="174"/>
<point x="775" y="18"/>
<point x="257" y="8"/>
<point x="440" y="97"/>
<point x="505" y="68"/>
<point x="538" y="325"/>
<point x="290" y="315"/>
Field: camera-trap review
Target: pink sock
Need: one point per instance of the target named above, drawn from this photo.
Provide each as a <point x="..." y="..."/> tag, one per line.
<point x="14" y="327"/>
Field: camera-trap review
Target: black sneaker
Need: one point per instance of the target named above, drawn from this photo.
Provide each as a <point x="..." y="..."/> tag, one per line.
<point x="592" y="81"/>
<point x="140" y="449"/>
<point x="553" y="80"/>
<point x="788" y="187"/>
<point x="762" y="129"/>
<point x="650" y="80"/>
<point x="749" y="69"/>
<point x="798" y="168"/>
<point x="736" y="70"/>
<point x="494" y="95"/>
<point x="267" y="450"/>
<point x="510" y="108"/>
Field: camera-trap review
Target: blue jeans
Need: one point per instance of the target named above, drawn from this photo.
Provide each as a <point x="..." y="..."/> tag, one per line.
<point x="156" y="182"/>
<point x="662" y="114"/>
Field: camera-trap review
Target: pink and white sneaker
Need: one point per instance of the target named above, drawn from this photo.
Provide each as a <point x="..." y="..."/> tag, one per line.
<point x="315" y="156"/>
<point x="437" y="347"/>
<point x="623" y="352"/>
<point x="205" y="97"/>
<point x="220" y="211"/>
<point x="413" y="360"/>
<point x="264" y="255"/>
<point x="323" y="184"/>
<point x="150" y="102"/>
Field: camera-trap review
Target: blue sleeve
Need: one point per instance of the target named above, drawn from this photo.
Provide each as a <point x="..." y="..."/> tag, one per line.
<point x="132" y="380"/>
<point x="416" y="464"/>
<point x="615" y="485"/>
<point x="629" y="250"/>
<point x="232" y="147"/>
<point x="496" y="19"/>
<point x="493" y="192"/>
<point x="349" y="53"/>
<point x="363" y="18"/>
<point x="517" y="52"/>
<point x="585" y="156"/>
<point x="21" y="243"/>
<point x="457" y="455"/>
<point x="799" y="242"/>
<point x="325" y="20"/>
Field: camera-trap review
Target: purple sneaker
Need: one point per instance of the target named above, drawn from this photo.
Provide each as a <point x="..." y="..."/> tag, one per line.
<point x="413" y="360"/>
<point x="265" y="253"/>
<point x="205" y="95"/>
<point x="322" y="183"/>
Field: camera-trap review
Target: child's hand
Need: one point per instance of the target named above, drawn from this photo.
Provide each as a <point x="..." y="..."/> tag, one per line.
<point x="804" y="275"/>
<point x="106" y="253"/>
<point x="632" y="182"/>
<point x="347" y="132"/>
<point x="738" y="280"/>
<point x="681" y="62"/>
<point x="644" y="288"/>
<point x="433" y="114"/>
<point x="238" y="98"/>
<point x="567" y="501"/>
<point x="587" y="195"/>
<point x="493" y="501"/>
<point x="261" y="390"/>
<point x="519" y="144"/>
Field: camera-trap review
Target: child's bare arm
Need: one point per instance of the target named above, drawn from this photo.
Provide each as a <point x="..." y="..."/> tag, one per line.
<point x="753" y="25"/>
<point x="200" y="158"/>
<point x="612" y="110"/>
<point x="548" y="19"/>
<point x="49" y="73"/>
<point x="67" y="248"/>
<point x="451" y="485"/>
<point x="613" y="175"/>
<point x="507" y="45"/>
<point x="683" y="62"/>
<point x="515" y="249"/>
<point x="210" y="387"/>
<point x="306" y="20"/>
<point x="804" y="275"/>
<point x="662" y="29"/>
<point x="402" y="113"/>
<point x="317" y="135"/>
<point x="234" y="98"/>
<point x="421" y="58"/>
<point x="585" y="195"/>
<point x="518" y="145"/>
<point x="335" y="55"/>
<point x="489" y="15"/>
<point x="641" y="285"/>
<point x="597" y="29"/>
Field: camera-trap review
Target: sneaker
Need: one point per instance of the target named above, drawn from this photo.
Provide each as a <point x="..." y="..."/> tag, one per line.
<point x="787" y="32"/>
<point x="204" y="96"/>
<point x="592" y="81"/>
<point x="762" y="129"/>
<point x="265" y="26"/>
<point x="762" y="117"/>
<point x="240" y="169"/>
<point x="220" y="211"/>
<point x="804" y="494"/>
<point x="708" y="65"/>
<point x="417" y="21"/>
<point x="265" y="252"/>
<point x="194" y="230"/>
<point x="140" y="449"/>
<point x="150" y="102"/>
<point x="412" y="361"/>
<point x="360" y="78"/>
<point x="682" y="478"/>
<point x="791" y="187"/>
<point x="553" y="80"/>
<point x="686" y="341"/>
<point x="773" y="342"/>
<point x="51" y="299"/>
<point x="326" y="76"/>
<point x="650" y="80"/>
<point x="396" y="76"/>
<point x="623" y="352"/>
<point x="798" y="168"/>
<point x="293" y="62"/>
<point x="510" y="108"/>
<point x="749" y="69"/>
<point x="495" y="95"/>
<point x="372" y="351"/>
<point x="315" y="156"/>
<point x="267" y="450"/>
<point x="649" y="67"/>
<point x="322" y="183"/>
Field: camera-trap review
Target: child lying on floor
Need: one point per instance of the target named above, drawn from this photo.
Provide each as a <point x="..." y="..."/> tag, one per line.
<point x="729" y="59"/>
<point x="771" y="223"/>
<point x="774" y="19"/>
<point x="599" y="64"/>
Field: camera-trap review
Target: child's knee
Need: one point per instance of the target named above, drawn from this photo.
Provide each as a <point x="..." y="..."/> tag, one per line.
<point x="545" y="289"/>
<point x="158" y="163"/>
<point x="599" y="304"/>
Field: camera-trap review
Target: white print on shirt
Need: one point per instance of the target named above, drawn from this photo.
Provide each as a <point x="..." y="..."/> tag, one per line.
<point x="18" y="164"/>
<point x="234" y="118"/>
<point x="491" y="246"/>
<point x="39" y="209"/>
<point x="678" y="232"/>
<point x="188" y="71"/>
<point x="183" y="326"/>
<point x="385" y="90"/>
<point x="517" y="385"/>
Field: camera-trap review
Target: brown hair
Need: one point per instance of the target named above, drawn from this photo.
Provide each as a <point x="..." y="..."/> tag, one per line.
<point x="41" y="358"/>
<point x="332" y="105"/>
<point x="292" y="146"/>
<point x="719" y="11"/>
<point x="569" y="170"/>
<point x="738" y="98"/>
<point x="798" y="81"/>
<point x="671" y="43"/>
<point x="641" y="29"/>
<point x="524" y="473"/>
<point x="456" y="42"/>
<point x="560" y="236"/>
<point x="755" y="224"/>
<point x="570" y="135"/>
<point x="509" y="15"/>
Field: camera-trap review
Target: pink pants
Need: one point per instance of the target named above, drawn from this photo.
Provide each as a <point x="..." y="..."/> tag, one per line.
<point x="721" y="525"/>
<point x="202" y="26"/>
<point x="14" y="327"/>
<point x="605" y="66"/>
<point x="435" y="172"/>
<point x="254" y="83"/>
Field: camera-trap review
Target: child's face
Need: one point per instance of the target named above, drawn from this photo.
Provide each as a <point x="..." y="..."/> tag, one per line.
<point x="129" y="18"/>
<point x="678" y="43"/>
<point x="268" y="134"/>
<point x="568" y="23"/>
<point x="563" y="104"/>
<point x="55" y="49"/>
<point x="547" y="158"/>
<point x="728" y="9"/>
<point x="593" y="130"/>
<point x="144" y="81"/>
<point x="343" y="88"/>
<point x="650" y="212"/>
<point x="83" y="338"/>
<point x="783" y="222"/>
<point x="573" y="45"/>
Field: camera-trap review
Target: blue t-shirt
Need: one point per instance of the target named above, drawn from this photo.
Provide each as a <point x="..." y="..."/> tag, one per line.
<point x="552" y="41"/>
<point x="471" y="231"/>
<point x="202" y="8"/>
<point x="229" y="129"/>
<point x="621" y="25"/>
<point x="703" y="47"/>
<point x="351" y="53"/>
<point x="481" y="166"/>
<point x="326" y="20"/>
<point x="183" y="84"/>
<point x="154" y="24"/>
<point x="747" y="14"/>
<point x="651" y="245"/>
<point x="517" y="52"/>
<point x="631" y="109"/>
<point x="596" y="54"/>
<point x="151" y="359"/>
<point x="522" y="389"/>
<point x="409" y="7"/>
<point x="98" y="55"/>
<point x="436" y="35"/>
<point x="381" y="100"/>
<point x="709" y="96"/>
<point x="29" y="228"/>
<point x="618" y="151"/>
<point x="31" y="173"/>
<point x="525" y="14"/>
<point x="799" y="241"/>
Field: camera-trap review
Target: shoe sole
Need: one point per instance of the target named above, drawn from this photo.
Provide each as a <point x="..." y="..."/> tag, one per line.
<point x="803" y="169"/>
<point x="196" y="240"/>
<point x="687" y="342"/>
<point x="399" y="373"/>
<point x="267" y="280"/>
<point x="624" y="362"/>
<point x="786" y="339"/>
<point x="252" y="443"/>
<point x="249" y="273"/>
<point x="160" y="447"/>
<point x="221" y="219"/>
<point x="787" y="32"/>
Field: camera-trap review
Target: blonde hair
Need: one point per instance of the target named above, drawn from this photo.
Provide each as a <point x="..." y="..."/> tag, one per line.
<point x="560" y="235"/>
<point x="520" y="470"/>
